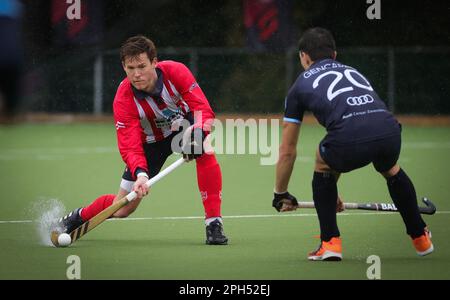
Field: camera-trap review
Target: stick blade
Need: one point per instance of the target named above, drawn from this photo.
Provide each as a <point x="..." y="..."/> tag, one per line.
<point x="54" y="238"/>
<point x="430" y="209"/>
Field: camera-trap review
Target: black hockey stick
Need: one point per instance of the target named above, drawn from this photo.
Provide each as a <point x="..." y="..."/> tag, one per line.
<point x="428" y="209"/>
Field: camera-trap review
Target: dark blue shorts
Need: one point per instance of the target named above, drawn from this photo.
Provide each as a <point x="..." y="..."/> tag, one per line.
<point x="382" y="153"/>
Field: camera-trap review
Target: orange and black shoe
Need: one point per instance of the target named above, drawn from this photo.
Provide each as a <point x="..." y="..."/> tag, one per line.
<point x="328" y="251"/>
<point x="423" y="243"/>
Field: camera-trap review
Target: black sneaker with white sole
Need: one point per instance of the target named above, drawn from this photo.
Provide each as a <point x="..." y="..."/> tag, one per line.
<point x="214" y="234"/>
<point x="71" y="221"/>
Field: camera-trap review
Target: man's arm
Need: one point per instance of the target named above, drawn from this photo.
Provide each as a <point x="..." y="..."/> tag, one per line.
<point x="129" y="134"/>
<point x="288" y="154"/>
<point x="282" y="200"/>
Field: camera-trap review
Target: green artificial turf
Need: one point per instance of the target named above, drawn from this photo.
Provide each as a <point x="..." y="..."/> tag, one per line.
<point x="77" y="163"/>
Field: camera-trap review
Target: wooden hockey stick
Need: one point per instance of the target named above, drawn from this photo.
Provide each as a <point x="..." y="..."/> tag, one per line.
<point x="109" y="211"/>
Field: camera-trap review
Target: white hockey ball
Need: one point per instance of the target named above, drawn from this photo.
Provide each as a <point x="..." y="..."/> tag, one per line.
<point x="64" y="240"/>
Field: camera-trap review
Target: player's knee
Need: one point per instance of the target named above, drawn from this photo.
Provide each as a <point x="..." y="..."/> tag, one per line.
<point x="320" y="165"/>
<point x="391" y="172"/>
<point x="206" y="160"/>
<point x="127" y="210"/>
<point x="123" y="213"/>
<point x="120" y="215"/>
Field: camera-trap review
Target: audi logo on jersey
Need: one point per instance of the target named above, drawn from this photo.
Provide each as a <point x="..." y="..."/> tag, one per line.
<point x="360" y="100"/>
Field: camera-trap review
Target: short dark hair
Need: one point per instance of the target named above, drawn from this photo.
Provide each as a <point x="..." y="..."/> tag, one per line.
<point x="136" y="45"/>
<point x="318" y="43"/>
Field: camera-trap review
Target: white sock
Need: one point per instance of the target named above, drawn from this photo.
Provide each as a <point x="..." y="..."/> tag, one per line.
<point x="209" y="220"/>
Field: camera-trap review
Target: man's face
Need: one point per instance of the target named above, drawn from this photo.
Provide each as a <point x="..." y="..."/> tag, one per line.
<point x="141" y="72"/>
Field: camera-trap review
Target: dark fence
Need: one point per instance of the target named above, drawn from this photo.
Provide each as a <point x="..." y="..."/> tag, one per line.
<point x="410" y="80"/>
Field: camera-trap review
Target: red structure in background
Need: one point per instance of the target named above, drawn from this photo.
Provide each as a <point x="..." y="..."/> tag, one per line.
<point x="268" y="24"/>
<point x="72" y="31"/>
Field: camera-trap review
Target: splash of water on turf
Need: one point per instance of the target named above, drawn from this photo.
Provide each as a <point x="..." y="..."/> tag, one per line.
<point x="45" y="213"/>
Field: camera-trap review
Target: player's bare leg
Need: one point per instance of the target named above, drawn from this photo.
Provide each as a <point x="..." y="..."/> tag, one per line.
<point x="391" y="172"/>
<point x="83" y="214"/>
<point x="127" y="209"/>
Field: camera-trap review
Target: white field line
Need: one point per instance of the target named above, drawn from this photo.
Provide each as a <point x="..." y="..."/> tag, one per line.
<point x="230" y="217"/>
<point x="59" y="153"/>
<point x="51" y="153"/>
<point x="309" y="159"/>
<point x="426" y="145"/>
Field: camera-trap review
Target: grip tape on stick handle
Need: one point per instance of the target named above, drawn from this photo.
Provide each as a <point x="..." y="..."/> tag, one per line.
<point x="311" y="205"/>
<point x="132" y="195"/>
<point x="428" y="209"/>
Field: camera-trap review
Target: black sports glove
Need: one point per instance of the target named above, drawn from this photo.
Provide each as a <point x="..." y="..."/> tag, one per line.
<point x="279" y="199"/>
<point x="193" y="148"/>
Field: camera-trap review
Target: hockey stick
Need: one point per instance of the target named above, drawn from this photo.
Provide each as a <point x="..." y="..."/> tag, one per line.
<point x="428" y="209"/>
<point x="109" y="211"/>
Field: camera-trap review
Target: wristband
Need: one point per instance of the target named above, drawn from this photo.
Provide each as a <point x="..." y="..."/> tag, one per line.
<point x="142" y="174"/>
<point x="275" y="192"/>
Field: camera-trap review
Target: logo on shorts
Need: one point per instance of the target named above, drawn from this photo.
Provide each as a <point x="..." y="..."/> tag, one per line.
<point x="360" y="100"/>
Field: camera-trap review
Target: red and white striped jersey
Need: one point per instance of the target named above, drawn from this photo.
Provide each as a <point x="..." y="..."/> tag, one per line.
<point x="147" y="118"/>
